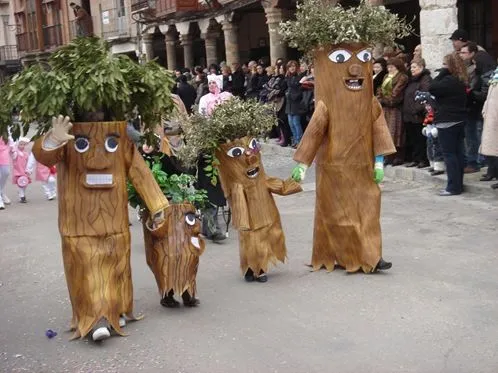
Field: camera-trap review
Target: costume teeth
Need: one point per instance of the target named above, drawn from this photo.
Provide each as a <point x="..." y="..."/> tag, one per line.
<point x="99" y="179"/>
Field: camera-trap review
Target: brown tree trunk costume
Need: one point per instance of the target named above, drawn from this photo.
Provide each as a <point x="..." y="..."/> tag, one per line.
<point x="93" y="218"/>
<point x="346" y="132"/>
<point x="255" y="215"/>
<point x="172" y="250"/>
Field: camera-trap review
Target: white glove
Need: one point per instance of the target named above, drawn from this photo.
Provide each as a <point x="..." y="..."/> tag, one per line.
<point x="434" y="132"/>
<point x="59" y="133"/>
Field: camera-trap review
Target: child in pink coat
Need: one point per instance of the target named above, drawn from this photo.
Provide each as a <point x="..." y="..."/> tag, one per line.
<point x="44" y="174"/>
<point x="20" y="175"/>
<point x="5" y="148"/>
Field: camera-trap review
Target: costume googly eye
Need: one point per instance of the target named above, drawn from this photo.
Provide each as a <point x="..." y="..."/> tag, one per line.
<point x="235" y="152"/>
<point x="364" y="56"/>
<point x="340" y="56"/>
<point x="253" y="144"/>
<point x="81" y="144"/>
<point x="190" y="219"/>
<point x="111" y="144"/>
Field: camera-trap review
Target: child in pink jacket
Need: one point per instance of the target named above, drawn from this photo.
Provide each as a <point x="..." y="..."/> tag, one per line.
<point x="6" y="146"/>
<point x="20" y="175"/>
<point x="44" y="174"/>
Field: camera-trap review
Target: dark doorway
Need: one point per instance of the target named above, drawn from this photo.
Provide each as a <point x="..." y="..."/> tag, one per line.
<point x="85" y="4"/>
<point x="476" y="17"/>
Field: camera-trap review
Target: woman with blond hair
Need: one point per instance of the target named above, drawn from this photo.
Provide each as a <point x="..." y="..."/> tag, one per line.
<point x="449" y="89"/>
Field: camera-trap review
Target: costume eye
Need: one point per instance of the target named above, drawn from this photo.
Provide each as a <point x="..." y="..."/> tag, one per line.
<point x="111" y="144"/>
<point x="190" y="218"/>
<point x="235" y="152"/>
<point x="365" y="55"/>
<point x="254" y="144"/>
<point x="339" y="56"/>
<point x="81" y="144"/>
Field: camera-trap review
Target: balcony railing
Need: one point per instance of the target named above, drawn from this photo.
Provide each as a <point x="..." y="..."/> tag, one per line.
<point x="27" y="41"/>
<point x="8" y="53"/>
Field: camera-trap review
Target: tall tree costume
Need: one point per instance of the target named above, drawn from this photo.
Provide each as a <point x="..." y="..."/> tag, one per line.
<point x="229" y="137"/>
<point x="347" y="135"/>
<point x="93" y="164"/>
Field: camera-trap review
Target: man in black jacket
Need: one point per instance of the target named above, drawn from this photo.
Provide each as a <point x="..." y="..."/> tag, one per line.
<point x="186" y="92"/>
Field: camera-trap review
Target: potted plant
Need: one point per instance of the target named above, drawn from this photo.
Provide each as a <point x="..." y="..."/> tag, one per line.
<point x="229" y="137"/>
<point x="85" y="84"/>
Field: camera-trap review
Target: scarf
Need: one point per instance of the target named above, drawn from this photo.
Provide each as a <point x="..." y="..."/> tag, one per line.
<point x="387" y="85"/>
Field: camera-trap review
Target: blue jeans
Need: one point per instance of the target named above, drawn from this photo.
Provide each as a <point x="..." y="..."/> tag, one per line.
<point x="452" y="145"/>
<point x="295" y="126"/>
<point x="473" y="132"/>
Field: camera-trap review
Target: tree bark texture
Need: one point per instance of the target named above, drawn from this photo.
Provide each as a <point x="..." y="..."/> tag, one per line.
<point x="93" y="219"/>
<point x="173" y="250"/>
<point x="255" y="214"/>
<point x="346" y="132"/>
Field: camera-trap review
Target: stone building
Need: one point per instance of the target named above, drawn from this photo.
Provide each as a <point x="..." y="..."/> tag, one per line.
<point x="9" y="59"/>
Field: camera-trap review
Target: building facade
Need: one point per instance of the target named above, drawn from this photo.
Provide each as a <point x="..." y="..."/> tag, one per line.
<point x="9" y="58"/>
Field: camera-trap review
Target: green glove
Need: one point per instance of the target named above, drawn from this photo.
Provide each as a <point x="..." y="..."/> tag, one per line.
<point x="379" y="172"/>
<point x="299" y="172"/>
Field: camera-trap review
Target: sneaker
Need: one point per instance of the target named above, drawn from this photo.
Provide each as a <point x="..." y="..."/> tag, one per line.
<point x="51" y="197"/>
<point x="2" y="206"/>
<point x="23" y="200"/>
<point x="122" y="321"/>
<point x="6" y="199"/>
<point x="100" y="334"/>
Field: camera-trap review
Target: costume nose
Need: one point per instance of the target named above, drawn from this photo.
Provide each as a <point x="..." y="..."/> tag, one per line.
<point x="355" y="70"/>
<point x="250" y="157"/>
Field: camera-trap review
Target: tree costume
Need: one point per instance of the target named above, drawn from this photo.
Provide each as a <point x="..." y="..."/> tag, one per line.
<point x="228" y="137"/>
<point x="93" y="215"/>
<point x="99" y="91"/>
<point x="347" y="134"/>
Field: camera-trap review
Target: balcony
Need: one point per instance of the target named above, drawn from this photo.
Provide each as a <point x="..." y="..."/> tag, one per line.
<point x="27" y="41"/>
<point x="166" y="7"/>
<point x="115" y="24"/>
<point x="8" y="53"/>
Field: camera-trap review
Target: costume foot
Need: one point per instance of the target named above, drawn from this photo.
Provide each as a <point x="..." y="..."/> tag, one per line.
<point x="189" y="301"/>
<point x="262" y="278"/>
<point x="249" y="276"/>
<point x="100" y="334"/>
<point x="382" y="265"/>
<point x="170" y="302"/>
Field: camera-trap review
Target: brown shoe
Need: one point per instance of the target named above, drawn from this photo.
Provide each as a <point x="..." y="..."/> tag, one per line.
<point x="470" y="170"/>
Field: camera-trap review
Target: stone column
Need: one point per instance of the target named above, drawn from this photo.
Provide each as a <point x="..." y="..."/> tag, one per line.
<point x="438" y="20"/>
<point x="211" y="51"/>
<point x="376" y="2"/>
<point x="148" y="47"/>
<point x="278" y="49"/>
<point x="231" y="33"/>
<point x="188" y="55"/>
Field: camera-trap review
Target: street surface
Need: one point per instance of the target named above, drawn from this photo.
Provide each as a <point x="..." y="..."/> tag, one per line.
<point x="436" y="310"/>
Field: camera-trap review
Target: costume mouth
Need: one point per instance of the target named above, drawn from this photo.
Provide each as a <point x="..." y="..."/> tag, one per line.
<point x="99" y="180"/>
<point x="355" y="84"/>
<point x="195" y="241"/>
<point x="252" y="172"/>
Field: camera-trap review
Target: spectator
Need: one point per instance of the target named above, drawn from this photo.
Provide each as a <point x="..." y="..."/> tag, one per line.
<point x="380" y="71"/>
<point x="417" y="52"/>
<point x="201" y="86"/>
<point x="84" y="23"/>
<point x="459" y="38"/>
<point x="258" y="80"/>
<point x="489" y="146"/>
<point x="293" y="101"/>
<point x="449" y="89"/>
<point x="226" y="72"/>
<point x="391" y="94"/>
<point x="414" y="113"/>
<point x="237" y="80"/>
<point x="187" y="93"/>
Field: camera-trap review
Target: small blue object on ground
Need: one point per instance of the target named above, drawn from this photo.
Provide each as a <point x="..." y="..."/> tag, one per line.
<point x="50" y="333"/>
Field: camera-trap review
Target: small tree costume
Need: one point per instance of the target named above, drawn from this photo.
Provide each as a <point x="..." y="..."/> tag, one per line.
<point x="346" y="133"/>
<point x="228" y="137"/>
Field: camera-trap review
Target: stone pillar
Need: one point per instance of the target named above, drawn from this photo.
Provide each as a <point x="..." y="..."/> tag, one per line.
<point x="231" y="33"/>
<point x="376" y="2"/>
<point x="170" y="41"/>
<point x="211" y="51"/>
<point x="278" y="49"/>
<point x="147" y="46"/>
<point x="438" y="20"/>
<point x="188" y="55"/>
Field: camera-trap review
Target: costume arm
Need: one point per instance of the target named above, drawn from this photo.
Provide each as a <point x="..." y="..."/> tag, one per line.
<point x="240" y="210"/>
<point x="283" y="187"/>
<point x="143" y="181"/>
<point x="313" y="136"/>
<point x="382" y="140"/>
<point x="48" y="153"/>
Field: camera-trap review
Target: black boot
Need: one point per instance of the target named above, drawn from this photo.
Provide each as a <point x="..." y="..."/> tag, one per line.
<point x="494" y="186"/>
<point x="249" y="276"/>
<point x="169" y="301"/>
<point x="189" y="301"/>
<point x="262" y="277"/>
<point x="382" y="265"/>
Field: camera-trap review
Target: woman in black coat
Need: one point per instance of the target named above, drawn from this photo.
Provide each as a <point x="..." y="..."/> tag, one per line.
<point x="413" y="114"/>
<point x="380" y="71"/>
<point x="293" y="101"/>
<point x="449" y="89"/>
